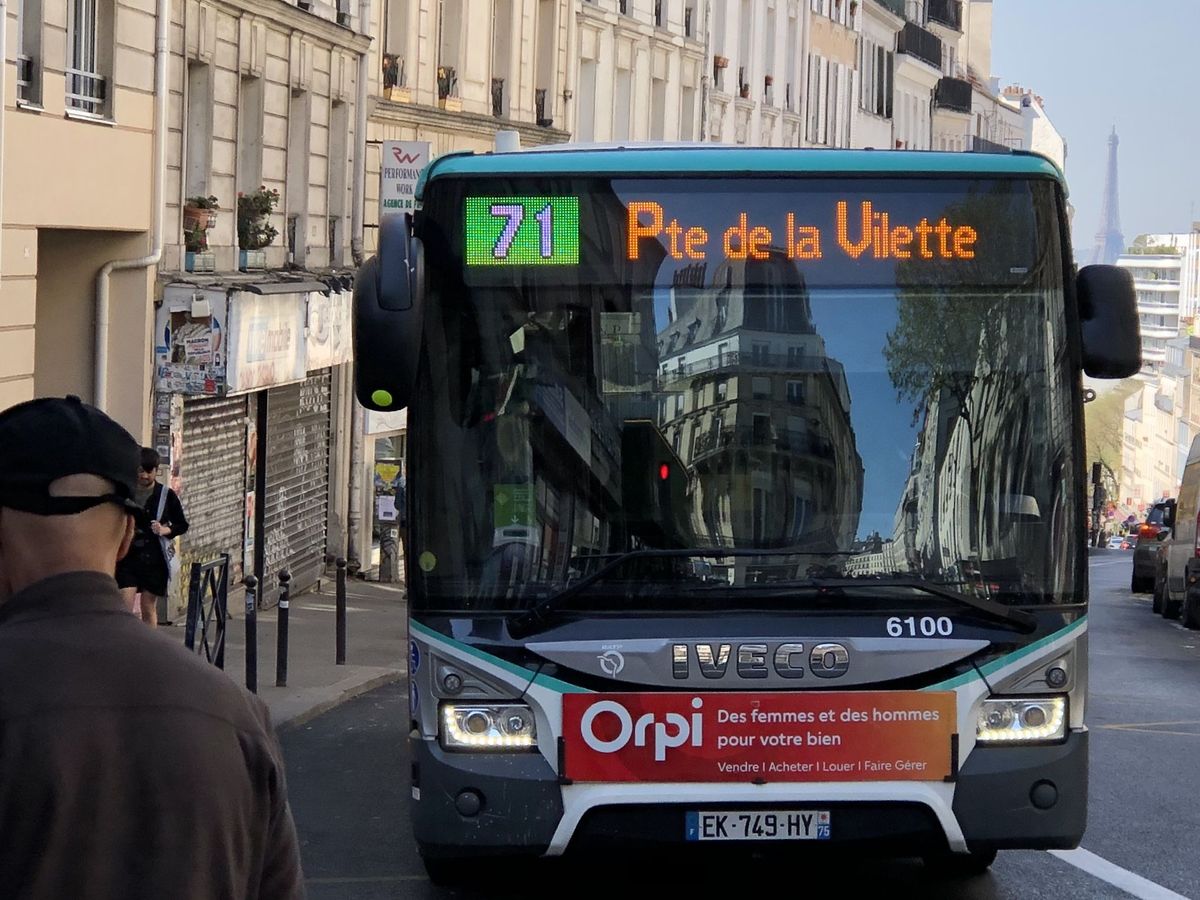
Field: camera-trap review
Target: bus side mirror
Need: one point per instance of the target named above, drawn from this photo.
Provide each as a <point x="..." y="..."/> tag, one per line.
<point x="1112" y="346"/>
<point x="388" y="305"/>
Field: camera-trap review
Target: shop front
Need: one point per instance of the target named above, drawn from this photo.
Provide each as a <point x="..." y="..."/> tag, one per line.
<point x="250" y="443"/>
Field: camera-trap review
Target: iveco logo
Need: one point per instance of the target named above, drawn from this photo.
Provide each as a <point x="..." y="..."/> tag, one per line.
<point x="611" y="663"/>
<point x="788" y="660"/>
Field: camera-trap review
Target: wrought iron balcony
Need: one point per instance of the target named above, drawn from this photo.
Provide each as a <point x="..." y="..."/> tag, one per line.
<point x="946" y="12"/>
<point x="24" y="77"/>
<point x="896" y="7"/>
<point x="86" y="91"/>
<point x="921" y="44"/>
<point x="497" y="97"/>
<point x="953" y="93"/>
<point x="539" y="106"/>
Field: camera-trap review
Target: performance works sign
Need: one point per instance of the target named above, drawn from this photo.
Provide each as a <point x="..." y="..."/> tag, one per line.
<point x="400" y="166"/>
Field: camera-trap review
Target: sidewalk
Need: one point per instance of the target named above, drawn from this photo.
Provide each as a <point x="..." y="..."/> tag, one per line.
<point x="376" y="648"/>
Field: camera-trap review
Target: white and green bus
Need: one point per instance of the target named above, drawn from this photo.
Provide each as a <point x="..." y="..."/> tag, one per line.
<point x="746" y="499"/>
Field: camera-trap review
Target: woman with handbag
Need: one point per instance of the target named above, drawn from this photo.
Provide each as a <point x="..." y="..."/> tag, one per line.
<point x="146" y="571"/>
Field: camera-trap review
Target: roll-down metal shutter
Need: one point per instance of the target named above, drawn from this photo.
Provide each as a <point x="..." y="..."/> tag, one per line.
<point x="213" y="473"/>
<point x="297" y="481"/>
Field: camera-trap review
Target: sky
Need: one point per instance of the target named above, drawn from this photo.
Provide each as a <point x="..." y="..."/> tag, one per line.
<point x="1096" y="64"/>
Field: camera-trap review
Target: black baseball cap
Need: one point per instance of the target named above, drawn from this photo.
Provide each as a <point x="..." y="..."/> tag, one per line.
<point x="50" y="438"/>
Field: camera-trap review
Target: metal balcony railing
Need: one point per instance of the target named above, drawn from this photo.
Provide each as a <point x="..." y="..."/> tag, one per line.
<point x="893" y="6"/>
<point x="800" y="443"/>
<point x="747" y="362"/>
<point x="953" y="93"/>
<point x="24" y="77"/>
<point x="946" y="12"/>
<point x="86" y="91"/>
<point x="921" y="44"/>
<point x="983" y="145"/>
<point x="497" y="97"/>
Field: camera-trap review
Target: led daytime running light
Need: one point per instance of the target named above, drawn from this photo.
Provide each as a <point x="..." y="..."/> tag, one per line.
<point x="498" y="734"/>
<point x="1015" y="728"/>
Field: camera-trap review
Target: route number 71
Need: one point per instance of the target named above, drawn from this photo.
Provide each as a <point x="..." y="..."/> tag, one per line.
<point x="514" y="213"/>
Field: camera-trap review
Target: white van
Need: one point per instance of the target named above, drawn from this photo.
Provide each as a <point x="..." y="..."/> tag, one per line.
<point x="1177" y="587"/>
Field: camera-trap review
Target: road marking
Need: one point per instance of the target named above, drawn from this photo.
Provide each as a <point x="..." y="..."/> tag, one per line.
<point x="1156" y="727"/>
<point x="1129" y="882"/>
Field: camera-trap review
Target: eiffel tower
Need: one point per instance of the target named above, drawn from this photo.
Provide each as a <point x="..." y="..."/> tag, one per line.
<point x="1109" y="242"/>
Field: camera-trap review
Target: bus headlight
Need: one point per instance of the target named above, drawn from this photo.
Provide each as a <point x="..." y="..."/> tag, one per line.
<point x="1015" y="720"/>
<point x="486" y="726"/>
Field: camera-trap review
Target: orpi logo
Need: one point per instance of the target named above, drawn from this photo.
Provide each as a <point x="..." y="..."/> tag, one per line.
<point x="674" y="730"/>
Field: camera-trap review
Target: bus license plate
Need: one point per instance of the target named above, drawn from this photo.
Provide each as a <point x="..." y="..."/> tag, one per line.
<point x="758" y="825"/>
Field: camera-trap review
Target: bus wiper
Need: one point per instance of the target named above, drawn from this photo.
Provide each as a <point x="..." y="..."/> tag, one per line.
<point x="531" y="619"/>
<point x="1023" y="620"/>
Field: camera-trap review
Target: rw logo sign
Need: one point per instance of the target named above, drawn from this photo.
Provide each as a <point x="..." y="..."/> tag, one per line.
<point x="402" y="162"/>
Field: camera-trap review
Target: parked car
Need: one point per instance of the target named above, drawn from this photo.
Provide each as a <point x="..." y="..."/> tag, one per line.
<point x="1114" y="542"/>
<point x="1129" y="541"/>
<point x="1160" y="518"/>
<point x="1177" y="585"/>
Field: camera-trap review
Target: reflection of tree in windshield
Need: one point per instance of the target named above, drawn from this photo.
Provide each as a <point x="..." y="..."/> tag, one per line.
<point x="759" y="414"/>
<point x="985" y="476"/>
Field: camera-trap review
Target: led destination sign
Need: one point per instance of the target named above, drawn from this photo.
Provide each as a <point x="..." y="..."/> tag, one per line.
<point x="861" y="229"/>
<point x="836" y="232"/>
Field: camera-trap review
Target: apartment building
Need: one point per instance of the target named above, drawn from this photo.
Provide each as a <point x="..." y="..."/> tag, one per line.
<point x="641" y="69"/>
<point x="78" y="124"/>
<point x="758" y="53"/>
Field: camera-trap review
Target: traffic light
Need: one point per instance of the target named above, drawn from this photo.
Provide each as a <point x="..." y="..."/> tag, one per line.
<point x="654" y="486"/>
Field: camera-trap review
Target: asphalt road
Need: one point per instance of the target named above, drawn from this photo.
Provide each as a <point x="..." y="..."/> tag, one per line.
<point x="348" y="779"/>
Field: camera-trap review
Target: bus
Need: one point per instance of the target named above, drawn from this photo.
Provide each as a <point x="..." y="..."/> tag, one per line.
<point x="746" y="499"/>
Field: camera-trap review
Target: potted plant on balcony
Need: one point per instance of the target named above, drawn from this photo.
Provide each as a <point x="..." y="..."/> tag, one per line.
<point x="255" y="230"/>
<point x="200" y="212"/>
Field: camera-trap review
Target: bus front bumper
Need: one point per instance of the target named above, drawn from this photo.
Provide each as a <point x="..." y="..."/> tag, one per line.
<point x="1004" y="797"/>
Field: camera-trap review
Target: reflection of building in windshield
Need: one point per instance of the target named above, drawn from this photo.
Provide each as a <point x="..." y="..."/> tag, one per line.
<point x="759" y="414"/>
<point x="985" y="487"/>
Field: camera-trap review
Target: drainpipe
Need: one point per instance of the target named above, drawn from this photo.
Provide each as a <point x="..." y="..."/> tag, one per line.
<point x="359" y="191"/>
<point x="161" y="60"/>
<point x="354" y="515"/>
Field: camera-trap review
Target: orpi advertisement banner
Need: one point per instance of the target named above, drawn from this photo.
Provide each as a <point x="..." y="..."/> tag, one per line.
<point x="400" y="166"/>
<point x="776" y="736"/>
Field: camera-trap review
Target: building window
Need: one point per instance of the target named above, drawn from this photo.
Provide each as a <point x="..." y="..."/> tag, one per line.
<point x="198" y="151"/>
<point x="29" y="52"/>
<point x="689" y="19"/>
<point x="761" y="387"/>
<point x="795" y="393"/>
<point x="658" y="13"/>
<point x="396" y="29"/>
<point x="450" y="25"/>
<point x="722" y="390"/>
<point x="89" y="56"/>
<point x="875" y="88"/>
<point x="339" y="186"/>
<point x="298" y="180"/>
<point x="250" y="134"/>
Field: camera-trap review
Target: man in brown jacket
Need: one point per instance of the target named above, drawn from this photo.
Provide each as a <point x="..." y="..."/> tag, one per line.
<point x="129" y="768"/>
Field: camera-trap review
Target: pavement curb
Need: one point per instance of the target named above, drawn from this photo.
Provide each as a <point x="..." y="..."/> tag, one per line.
<point x="327" y="698"/>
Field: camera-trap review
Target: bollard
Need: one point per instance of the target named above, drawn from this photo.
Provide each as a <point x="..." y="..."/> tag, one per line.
<point x="341" y="612"/>
<point x="252" y="634"/>
<point x="281" y="644"/>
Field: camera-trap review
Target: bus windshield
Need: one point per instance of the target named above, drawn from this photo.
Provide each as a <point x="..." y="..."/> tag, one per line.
<point x="831" y="379"/>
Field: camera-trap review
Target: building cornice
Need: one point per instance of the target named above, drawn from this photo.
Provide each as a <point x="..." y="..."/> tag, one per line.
<point x="282" y="13"/>
<point x="421" y="116"/>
